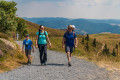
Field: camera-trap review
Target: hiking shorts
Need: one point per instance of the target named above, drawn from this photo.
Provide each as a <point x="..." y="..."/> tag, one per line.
<point x="68" y="49"/>
<point x="28" y="52"/>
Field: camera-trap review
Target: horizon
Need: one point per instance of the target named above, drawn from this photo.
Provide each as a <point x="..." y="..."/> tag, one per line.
<point x="69" y="18"/>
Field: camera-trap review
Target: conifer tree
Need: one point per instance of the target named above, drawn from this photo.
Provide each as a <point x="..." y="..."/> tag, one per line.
<point x="113" y="53"/>
<point x="94" y="42"/>
<point x="106" y="50"/>
<point x="87" y="46"/>
<point x="83" y="40"/>
<point x="87" y="37"/>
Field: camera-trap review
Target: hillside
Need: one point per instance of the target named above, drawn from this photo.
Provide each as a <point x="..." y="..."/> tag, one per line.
<point x="94" y="54"/>
<point x="83" y="26"/>
<point x="106" y="38"/>
<point x="10" y="54"/>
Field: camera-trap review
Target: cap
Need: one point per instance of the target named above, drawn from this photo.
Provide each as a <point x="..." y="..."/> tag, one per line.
<point x="69" y="26"/>
<point x="73" y="26"/>
<point x="27" y="35"/>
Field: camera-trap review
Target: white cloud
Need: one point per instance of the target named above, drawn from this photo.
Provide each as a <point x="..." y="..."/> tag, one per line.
<point x="100" y="9"/>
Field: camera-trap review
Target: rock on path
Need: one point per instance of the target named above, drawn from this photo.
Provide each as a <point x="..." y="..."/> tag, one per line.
<point x="57" y="69"/>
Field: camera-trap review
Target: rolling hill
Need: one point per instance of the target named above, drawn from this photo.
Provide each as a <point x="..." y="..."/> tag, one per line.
<point x="94" y="54"/>
<point x="83" y="26"/>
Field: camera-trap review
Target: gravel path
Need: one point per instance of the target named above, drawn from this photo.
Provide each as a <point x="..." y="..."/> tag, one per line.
<point x="57" y="69"/>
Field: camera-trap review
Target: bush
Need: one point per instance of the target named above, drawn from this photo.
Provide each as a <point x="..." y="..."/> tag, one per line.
<point x="2" y="35"/>
<point x="20" y="56"/>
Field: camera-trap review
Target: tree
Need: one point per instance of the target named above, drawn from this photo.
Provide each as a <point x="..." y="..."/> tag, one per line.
<point x="106" y="50"/>
<point x="21" y="26"/>
<point x="87" y="46"/>
<point x="7" y="16"/>
<point x="94" y="42"/>
<point x="113" y="53"/>
<point x="87" y="37"/>
<point x="117" y="47"/>
<point x="83" y="40"/>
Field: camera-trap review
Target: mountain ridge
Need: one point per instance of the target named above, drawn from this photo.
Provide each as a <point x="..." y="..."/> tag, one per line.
<point x="83" y="26"/>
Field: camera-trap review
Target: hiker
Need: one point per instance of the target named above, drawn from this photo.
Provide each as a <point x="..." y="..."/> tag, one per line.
<point x="41" y="43"/>
<point x="28" y="46"/>
<point x="14" y="36"/>
<point x="17" y="36"/>
<point x="70" y="41"/>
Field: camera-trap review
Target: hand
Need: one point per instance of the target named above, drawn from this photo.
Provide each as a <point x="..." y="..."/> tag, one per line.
<point x="50" y="45"/>
<point x="62" y="46"/>
<point x="36" y="46"/>
<point x="75" y="46"/>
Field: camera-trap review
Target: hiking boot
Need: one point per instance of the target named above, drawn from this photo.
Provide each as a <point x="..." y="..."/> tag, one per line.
<point x="69" y="64"/>
<point x="28" y="63"/>
<point x="42" y="64"/>
<point x="45" y="63"/>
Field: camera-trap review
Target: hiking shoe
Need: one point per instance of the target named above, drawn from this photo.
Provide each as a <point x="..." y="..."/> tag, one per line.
<point x="42" y="64"/>
<point x="69" y="64"/>
<point x="45" y="63"/>
<point x="28" y="63"/>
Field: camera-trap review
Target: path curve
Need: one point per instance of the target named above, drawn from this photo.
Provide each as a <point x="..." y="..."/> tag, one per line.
<point x="57" y="69"/>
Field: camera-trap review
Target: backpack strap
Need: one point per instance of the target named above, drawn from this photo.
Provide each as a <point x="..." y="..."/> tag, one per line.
<point x="45" y="33"/>
<point x="66" y="34"/>
<point x="73" y="34"/>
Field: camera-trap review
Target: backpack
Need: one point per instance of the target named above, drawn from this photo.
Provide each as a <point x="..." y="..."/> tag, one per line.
<point x="41" y="34"/>
<point x="67" y="35"/>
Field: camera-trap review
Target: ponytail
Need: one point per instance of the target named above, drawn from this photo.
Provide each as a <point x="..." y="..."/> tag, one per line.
<point x="39" y="28"/>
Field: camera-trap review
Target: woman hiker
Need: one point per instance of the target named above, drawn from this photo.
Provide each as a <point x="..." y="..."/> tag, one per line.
<point x="70" y="41"/>
<point x="41" y="43"/>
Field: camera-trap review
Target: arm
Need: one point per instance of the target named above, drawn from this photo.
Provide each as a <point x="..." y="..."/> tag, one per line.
<point x="48" y="40"/>
<point x="63" y="40"/>
<point x="76" y="42"/>
<point x="23" y="48"/>
<point x="32" y="48"/>
<point x="36" y="41"/>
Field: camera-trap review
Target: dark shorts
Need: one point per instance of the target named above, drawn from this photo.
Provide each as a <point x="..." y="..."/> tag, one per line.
<point x="68" y="49"/>
<point x="28" y="52"/>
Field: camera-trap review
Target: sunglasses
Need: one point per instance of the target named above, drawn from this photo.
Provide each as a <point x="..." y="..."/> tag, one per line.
<point x="69" y="28"/>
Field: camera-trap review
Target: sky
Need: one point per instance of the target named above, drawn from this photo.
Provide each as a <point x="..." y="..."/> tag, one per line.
<point x="89" y="9"/>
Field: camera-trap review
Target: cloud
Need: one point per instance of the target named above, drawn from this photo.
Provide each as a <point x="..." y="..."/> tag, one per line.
<point x="100" y="9"/>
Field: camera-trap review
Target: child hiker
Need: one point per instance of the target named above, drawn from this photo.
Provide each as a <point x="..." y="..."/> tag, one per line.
<point x="28" y="46"/>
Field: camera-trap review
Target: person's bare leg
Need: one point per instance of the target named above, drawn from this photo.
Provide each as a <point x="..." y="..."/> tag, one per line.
<point x="28" y="57"/>
<point x="68" y="56"/>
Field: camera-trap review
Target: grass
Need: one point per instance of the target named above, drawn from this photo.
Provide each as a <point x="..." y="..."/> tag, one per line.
<point x="94" y="54"/>
<point x="111" y="40"/>
<point x="56" y="40"/>
<point x="12" y="58"/>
